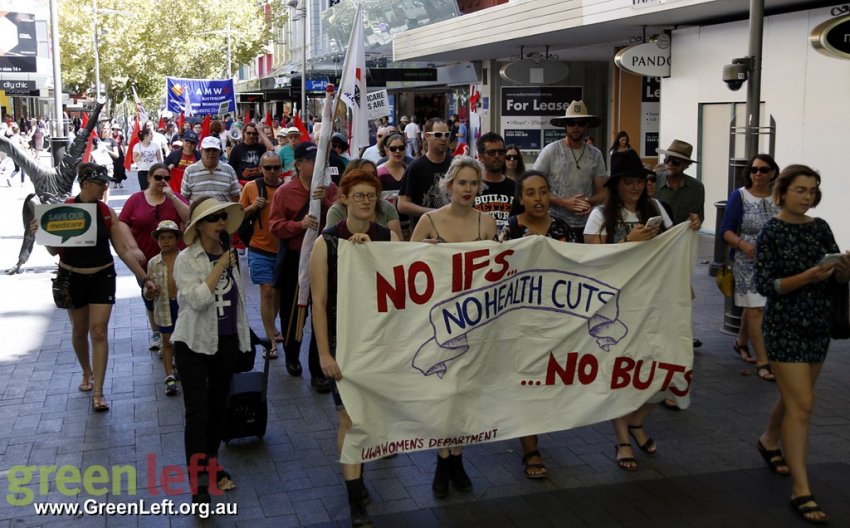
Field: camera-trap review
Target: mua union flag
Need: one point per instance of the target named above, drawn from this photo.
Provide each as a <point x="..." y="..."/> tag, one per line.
<point x="456" y="344"/>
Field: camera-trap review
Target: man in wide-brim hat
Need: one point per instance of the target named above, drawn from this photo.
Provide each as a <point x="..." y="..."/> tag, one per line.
<point x="575" y="169"/>
<point x="684" y="193"/>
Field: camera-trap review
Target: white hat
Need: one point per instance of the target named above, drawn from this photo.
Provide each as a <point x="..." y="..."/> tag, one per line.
<point x="167" y="225"/>
<point x="210" y="142"/>
<point x="209" y="206"/>
<point x="293" y="130"/>
<point x="576" y="110"/>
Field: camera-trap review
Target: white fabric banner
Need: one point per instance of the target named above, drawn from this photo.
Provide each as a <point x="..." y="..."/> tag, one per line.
<point x="456" y="344"/>
<point x="352" y="86"/>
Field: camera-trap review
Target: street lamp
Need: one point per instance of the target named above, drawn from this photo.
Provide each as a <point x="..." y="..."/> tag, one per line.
<point x="95" y="12"/>
<point x="225" y="31"/>
<point x="302" y="12"/>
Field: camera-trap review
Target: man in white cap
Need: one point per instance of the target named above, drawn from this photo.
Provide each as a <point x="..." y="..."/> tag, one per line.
<point x="684" y="193"/>
<point x="575" y="169"/>
<point x="286" y="152"/>
<point x="210" y="176"/>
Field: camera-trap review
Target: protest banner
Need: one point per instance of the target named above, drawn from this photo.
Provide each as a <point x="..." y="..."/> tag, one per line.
<point x="66" y="225"/>
<point x="443" y="345"/>
<point x="378" y="103"/>
<point x="199" y="96"/>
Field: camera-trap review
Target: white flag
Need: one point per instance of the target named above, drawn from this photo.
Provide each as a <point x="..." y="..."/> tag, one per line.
<point x="187" y="103"/>
<point x="352" y="90"/>
<point x="140" y="108"/>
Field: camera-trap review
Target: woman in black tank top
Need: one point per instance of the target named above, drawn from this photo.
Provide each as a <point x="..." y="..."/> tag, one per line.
<point x="360" y="192"/>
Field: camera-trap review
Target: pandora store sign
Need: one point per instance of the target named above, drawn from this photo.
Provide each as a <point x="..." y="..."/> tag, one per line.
<point x="651" y="59"/>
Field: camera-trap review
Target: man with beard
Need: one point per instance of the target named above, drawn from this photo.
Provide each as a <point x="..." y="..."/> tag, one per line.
<point x="420" y="190"/>
<point x="497" y="191"/>
<point x="245" y="156"/>
<point x="575" y="169"/>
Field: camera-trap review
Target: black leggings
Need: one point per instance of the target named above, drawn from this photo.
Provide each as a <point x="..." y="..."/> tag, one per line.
<point x="143" y="179"/>
<point x="288" y="285"/>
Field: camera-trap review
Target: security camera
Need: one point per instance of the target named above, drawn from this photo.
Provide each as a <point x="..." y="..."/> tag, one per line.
<point x="735" y="74"/>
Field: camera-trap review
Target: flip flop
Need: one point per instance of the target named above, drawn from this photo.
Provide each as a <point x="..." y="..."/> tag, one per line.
<point x="541" y="473"/>
<point x="278" y="337"/>
<point x="768" y="373"/>
<point x="87" y="385"/>
<point x="743" y="353"/>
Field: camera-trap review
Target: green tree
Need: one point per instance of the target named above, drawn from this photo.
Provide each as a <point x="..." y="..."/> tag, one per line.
<point x="152" y="39"/>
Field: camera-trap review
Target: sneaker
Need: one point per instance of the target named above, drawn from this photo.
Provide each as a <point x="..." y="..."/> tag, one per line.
<point x="170" y="386"/>
<point x="156" y="341"/>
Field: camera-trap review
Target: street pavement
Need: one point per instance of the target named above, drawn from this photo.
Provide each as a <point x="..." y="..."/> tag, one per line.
<point x="707" y="471"/>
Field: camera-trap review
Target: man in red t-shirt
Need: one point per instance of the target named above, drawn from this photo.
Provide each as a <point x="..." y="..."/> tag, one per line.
<point x="178" y="160"/>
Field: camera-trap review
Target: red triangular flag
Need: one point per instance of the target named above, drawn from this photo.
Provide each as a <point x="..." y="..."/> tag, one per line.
<point x="89" y="143"/>
<point x="268" y="118"/>
<point x="301" y="128"/>
<point x="180" y="120"/>
<point x="134" y="138"/>
<point x="161" y="123"/>
<point x="205" y="126"/>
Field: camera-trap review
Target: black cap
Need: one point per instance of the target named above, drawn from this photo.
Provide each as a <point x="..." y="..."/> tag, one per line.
<point x="93" y="172"/>
<point x="306" y="150"/>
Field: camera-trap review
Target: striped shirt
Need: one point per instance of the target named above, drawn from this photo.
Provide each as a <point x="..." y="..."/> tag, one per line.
<point x="219" y="183"/>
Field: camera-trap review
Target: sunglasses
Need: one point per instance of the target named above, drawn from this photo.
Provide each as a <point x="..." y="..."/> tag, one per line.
<point x="215" y="217"/>
<point x="495" y="152"/>
<point x="439" y="135"/>
<point x="673" y="161"/>
<point x="763" y="170"/>
<point x="512" y="157"/>
<point x="395" y="149"/>
<point x="271" y="167"/>
<point x="160" y="177"/>
<point x="576" y="122"/>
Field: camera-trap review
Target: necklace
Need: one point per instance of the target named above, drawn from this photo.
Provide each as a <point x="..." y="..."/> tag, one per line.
<point x="577" y="159"/>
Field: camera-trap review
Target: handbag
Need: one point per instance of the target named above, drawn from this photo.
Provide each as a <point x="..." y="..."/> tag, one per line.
<point x="725" y="281"/>
<point x="840" y="298"/>
<point x="246" y="228"/>
<point x="62" y="289"/>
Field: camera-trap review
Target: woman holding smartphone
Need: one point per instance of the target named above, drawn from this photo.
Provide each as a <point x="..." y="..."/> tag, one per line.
<point x="791" y="275"/>
<point x="630" y="215"/>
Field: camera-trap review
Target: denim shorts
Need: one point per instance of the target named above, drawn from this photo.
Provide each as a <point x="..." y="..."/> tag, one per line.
<point x="261" y="266"/>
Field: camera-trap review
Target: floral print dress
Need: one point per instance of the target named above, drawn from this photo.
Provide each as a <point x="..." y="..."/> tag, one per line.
<point x="756" y="212"/>
<point x="796" y="325"/>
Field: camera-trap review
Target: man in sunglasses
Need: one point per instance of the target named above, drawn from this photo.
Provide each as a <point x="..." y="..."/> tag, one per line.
<point x="420" y="189"/>
<point x="684" y="193"/>
<point x="575" y="169"/>
<point x="245" y="156"/>
<point x="257" y="196"/>
<point x="497" y="191"/>
<point x="210" y="176"/>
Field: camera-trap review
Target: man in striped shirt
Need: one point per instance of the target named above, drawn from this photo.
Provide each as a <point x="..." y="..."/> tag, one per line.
<point x="210" y="176"/>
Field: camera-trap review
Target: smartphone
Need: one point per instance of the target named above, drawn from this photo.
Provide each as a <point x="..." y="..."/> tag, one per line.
<point x="655" y="221"/>
<point x="830" y="258"/>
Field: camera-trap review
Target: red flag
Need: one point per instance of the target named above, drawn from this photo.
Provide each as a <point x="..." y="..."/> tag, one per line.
<point x="134" y="138"/>
<point x="205" y="127"/>
<point x="301" y="128"/>
<point x="180" y="120"/>
<point x="268" y="118"/>
<point x="161" y="123"/>
<point x="247" y="117"/>
<point x="90" y="142"/>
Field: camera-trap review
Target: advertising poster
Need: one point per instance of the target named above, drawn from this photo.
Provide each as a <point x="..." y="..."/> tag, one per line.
<point x="18" y="43"/>
<point x="526" y="111"/>
<point x="650" y="108"/>
<point x="199" y="96"/>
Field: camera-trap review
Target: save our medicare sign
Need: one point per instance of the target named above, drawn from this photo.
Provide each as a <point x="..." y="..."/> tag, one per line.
<point x="526" y="111"/>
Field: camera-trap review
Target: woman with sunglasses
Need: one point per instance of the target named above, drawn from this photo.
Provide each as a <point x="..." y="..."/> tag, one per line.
<point x="90" y="275"/>
<point x="750" y="207"/>
<point x="143" y="212"/>
<point x="391" y="173"/>
<point x="209" y="334"/>
<point x="797" y="316"/>
<point x="458" y="221"/>
<point x="514" y="166"/>
<point x="360" y="192"/>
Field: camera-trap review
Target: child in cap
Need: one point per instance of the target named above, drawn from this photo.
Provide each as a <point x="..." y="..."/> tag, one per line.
<point x="164" y="290"/>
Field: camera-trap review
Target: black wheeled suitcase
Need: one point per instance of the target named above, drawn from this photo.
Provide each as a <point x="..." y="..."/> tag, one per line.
<point x="248" y="409"/>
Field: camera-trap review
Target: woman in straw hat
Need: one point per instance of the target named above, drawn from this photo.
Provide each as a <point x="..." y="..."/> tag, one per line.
<point x="211" y="330"/>
<point x="625" y="218"/>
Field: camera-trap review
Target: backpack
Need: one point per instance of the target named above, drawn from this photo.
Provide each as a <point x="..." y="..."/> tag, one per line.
<point x="246" y="228"/>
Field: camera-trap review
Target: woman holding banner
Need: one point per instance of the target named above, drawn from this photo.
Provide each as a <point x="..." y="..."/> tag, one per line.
<point x="360" y="192"/>
<point x="458" y="221"/>
<point x="627" y="216"/>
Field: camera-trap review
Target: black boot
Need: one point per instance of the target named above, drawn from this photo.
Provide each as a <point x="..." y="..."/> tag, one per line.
<point x="359" y="516"/>
<point x="440" y="486"/>
<point x="457" y="474"/>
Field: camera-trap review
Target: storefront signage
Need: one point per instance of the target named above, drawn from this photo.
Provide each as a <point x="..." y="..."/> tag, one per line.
<point x="651" y="59"/>
<point x="380" y="75"/>
<point x="832" y="37"/>
<point x="527" y="71"/>
<point x="17" y="87"/>
<point x="527" y="110"/>
<point x="19" y="43"/>
<point x="650" y="112"/>
<point x="317" y="84"/>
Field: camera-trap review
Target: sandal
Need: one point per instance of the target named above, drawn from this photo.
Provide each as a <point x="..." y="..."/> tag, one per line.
<point x="647" y="447"/>
<point x="278" y="337"/>
<point x="99" y="403"/>
<point x="774" y="459"/>
<point x="87" y="384"/>
<point x="743" y="353"/>
<point x="271" y="354"/>
<point x="797" y="504"/>
<point x="224" y="481"/>
<point x="534" y="471"/>
<point x="765" y="372"/>
<point x="626" y="463"/>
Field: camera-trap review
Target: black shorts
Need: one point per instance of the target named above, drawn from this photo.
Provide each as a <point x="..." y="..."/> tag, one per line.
<point x="97" y="288"/>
